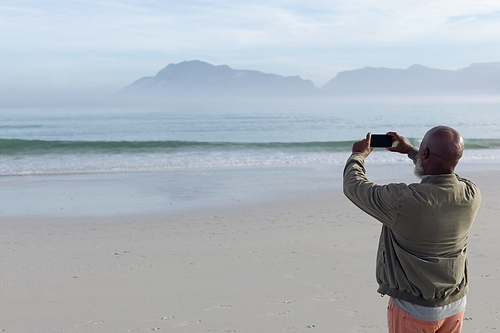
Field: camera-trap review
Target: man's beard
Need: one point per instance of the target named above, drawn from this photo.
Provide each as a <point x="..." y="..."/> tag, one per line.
<point x="419" y="170"/>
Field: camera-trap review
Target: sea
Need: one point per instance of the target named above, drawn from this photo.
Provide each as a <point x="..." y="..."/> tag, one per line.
<point x="126" y="160"/>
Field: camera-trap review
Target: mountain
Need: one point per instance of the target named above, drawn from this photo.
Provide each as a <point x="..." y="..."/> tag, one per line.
<point x="199" y="79"/>
<point x="477" y="79"/>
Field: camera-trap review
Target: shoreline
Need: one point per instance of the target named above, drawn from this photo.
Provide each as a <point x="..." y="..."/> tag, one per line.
<point x="151" y="193"/>
<point x="123" y="194"/>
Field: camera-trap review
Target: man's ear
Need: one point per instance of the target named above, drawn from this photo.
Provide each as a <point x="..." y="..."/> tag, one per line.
<point x="425" y="153"/>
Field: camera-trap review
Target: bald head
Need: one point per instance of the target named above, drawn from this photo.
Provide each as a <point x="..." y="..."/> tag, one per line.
<point x="440" y="150"/>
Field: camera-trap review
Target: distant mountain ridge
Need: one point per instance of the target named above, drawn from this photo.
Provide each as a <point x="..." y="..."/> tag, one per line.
<point x="199" y="79"/>
<point x="478" y="79"/>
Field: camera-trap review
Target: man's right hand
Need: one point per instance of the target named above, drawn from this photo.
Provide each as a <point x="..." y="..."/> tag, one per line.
<point x="403" y="146"/>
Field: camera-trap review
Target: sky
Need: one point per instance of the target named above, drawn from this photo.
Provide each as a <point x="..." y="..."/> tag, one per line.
<point x="104" y="45"/>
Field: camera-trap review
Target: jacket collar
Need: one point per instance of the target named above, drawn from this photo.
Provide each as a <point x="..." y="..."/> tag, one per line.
<point x="440" y="179"/>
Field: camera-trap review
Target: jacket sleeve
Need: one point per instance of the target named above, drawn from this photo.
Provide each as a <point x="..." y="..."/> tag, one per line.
<point x="381" y="202"/>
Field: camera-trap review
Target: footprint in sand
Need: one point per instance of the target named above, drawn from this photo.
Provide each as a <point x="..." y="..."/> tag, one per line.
<point x="296" y="328"/>
<point x="220" y="306"/>
<point x="94" y="322"/>
<point x="329" y="297"/>
<point x="270" y="314"/>
<point x="350" y="312"/>
<point x="362" y="329"/>
<point x="162" y="319"/>
<point x="188" y="323"/>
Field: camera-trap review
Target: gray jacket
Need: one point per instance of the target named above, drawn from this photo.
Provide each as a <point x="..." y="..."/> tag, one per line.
<point x="422" y="254"/>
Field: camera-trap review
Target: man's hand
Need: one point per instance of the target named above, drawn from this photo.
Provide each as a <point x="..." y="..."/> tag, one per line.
<point x="363" y="146"/>
<point x="403" y="145"/>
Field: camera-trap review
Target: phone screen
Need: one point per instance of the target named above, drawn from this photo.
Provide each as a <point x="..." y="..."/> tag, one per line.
<point x="381" y="140"/>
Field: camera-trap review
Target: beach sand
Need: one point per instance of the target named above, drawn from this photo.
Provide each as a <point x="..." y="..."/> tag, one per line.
<point x="304" y="263"/>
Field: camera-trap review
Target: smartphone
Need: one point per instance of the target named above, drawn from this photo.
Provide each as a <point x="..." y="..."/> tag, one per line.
<point x="381" y="140"/>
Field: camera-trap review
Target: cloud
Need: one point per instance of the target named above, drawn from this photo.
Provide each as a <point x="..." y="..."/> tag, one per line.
<point x="168" y="26"/>
<point x="315" y="38"/>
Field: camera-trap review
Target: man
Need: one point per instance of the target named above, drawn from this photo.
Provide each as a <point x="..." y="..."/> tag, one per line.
<point x="422" y="255"/>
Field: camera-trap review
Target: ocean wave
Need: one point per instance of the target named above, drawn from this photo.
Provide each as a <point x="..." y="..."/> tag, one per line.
<point x="24" y="157"/>
<point x="18" y="146"/>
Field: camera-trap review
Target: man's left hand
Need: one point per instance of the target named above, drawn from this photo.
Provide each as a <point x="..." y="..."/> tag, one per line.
<point x="363" y="146"/>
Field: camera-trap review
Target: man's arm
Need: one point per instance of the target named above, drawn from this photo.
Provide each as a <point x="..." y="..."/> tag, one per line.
<point x="381" y="202"/>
